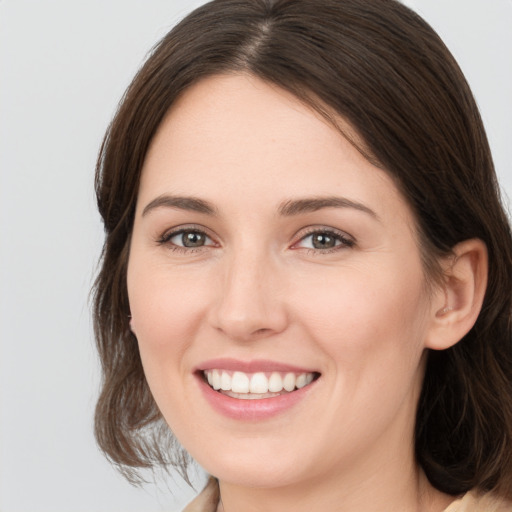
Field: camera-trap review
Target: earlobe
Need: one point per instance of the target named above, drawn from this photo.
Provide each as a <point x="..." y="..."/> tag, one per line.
<point x="459" y="300"/>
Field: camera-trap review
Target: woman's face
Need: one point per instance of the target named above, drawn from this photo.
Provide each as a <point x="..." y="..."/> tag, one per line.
<point x="267" y="252"/>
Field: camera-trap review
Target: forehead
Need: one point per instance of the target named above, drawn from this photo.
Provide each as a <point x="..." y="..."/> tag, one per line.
<point x="236" y="135"/>
<point x="242" y="112"/>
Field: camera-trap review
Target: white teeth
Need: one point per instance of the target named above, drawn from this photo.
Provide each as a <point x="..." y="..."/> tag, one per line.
<point x="216" y="379"/>
<point x="250" y="396"/>
<point x="301" y="381"/>
<point x="289" y="382"/>
<point x="275" y="383"/>
<point x="239" y="383"/>
<point x="258" y="385"/>
<point x="225" y="381"/>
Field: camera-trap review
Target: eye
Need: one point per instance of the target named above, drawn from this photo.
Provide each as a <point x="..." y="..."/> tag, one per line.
<point x="188" y="238"/>
<point x="325" y="240"/>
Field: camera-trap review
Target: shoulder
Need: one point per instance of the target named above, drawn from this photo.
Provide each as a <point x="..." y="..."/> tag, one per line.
<point x="207" y="500"/>
<point x="475" y="501"/>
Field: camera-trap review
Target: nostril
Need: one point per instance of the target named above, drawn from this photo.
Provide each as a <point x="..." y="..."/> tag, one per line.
<point x="261" y="331"/>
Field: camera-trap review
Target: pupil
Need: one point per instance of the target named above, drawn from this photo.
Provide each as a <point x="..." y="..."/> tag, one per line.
<point x="193" y="239"/>
<point x="321" y="241"/>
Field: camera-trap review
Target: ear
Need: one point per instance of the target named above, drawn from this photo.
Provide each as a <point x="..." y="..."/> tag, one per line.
<point x="457" y="303"/>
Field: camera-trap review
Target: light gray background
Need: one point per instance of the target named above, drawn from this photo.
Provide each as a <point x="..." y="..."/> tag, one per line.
<point x="63" y="67"/>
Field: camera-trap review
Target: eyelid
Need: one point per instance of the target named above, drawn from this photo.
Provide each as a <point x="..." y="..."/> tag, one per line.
<point x="345" y="238"/>
<point x="166" y="236"/>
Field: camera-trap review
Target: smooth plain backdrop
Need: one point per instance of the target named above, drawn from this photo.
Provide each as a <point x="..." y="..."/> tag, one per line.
<point x="63" y="67"/>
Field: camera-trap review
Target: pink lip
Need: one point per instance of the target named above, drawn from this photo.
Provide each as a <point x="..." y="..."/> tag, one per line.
<point x="250" y="410"/>
<point x="257" y="365"/>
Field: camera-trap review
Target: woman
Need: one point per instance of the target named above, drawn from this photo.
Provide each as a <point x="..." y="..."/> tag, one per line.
<point x="307" y="269"/>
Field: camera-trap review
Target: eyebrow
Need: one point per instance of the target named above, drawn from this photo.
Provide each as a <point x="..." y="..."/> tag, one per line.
<point x="181" y="202"/>
<point x="287" y="209"/>
<point x="307" y="205"/>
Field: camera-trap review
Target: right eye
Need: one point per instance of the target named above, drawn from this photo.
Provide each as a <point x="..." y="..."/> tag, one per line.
<point x="189" y="239"/>
<point x="183" y="239"/>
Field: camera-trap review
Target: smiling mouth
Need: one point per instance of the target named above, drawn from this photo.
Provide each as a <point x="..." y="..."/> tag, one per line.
<point x="259" y="385"/>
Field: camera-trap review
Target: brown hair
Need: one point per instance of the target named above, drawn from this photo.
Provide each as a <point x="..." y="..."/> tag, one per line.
<point x="383" y="69"/>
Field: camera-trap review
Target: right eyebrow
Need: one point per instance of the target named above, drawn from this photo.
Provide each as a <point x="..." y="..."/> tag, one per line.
<point x="180" y="202"/>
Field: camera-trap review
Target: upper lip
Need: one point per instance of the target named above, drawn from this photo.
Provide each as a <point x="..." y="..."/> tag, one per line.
<point x="254" y="366"/>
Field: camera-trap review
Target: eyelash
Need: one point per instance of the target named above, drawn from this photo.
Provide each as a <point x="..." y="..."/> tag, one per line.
<point x="345" y="242"/>
<point x="166" y="238"/>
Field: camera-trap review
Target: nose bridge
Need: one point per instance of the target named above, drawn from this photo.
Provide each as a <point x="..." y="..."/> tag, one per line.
<point x="249" y="302"/>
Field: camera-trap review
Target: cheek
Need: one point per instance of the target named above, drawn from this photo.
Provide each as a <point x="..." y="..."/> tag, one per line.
<point x="164" y="303"/>
<point x="369" y="317"/>
<point x="167" y="309"/>
<point x="167" y="313"/>
<point x="371" y="330"/>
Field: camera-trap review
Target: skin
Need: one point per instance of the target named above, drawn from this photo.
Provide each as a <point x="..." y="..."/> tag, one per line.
<point x="359" y="314"/>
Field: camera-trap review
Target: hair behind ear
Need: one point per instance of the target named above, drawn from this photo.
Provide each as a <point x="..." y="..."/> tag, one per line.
<point x="464" y="421"/>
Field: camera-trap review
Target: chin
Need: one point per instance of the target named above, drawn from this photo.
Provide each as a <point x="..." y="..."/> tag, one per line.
<point x="261" y="467"/>
<point x="259" y="475"/>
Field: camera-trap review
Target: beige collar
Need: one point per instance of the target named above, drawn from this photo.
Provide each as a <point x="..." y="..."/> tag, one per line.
<point x="208" y="501"/>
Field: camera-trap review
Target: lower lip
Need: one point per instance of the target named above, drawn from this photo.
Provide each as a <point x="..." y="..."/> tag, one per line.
<point x="252" y="410"/>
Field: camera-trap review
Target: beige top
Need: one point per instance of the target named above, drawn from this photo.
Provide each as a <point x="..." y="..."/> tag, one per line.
<point x="208" y="500"/>
<point x="475" y="502"/>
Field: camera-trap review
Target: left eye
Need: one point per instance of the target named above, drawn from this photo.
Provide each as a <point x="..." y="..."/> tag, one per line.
<point x="190" y="239"/>
<point x="324" y="240"/>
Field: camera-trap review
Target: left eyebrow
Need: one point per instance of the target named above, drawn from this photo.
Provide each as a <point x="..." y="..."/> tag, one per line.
<point x="313" y="204"/>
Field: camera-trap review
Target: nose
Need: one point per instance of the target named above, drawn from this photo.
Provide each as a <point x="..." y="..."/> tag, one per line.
<point x="249" y="304"/>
